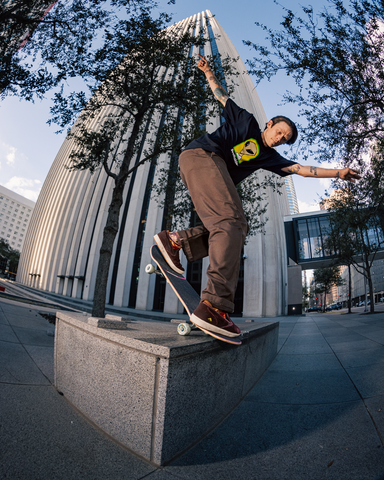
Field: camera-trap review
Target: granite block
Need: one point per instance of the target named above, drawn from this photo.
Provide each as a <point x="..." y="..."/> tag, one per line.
<point x="156" y="392"/>
<point x="106" y="323"/>
<point x="260" y="353"/>
<point x="118" y="318"/>
<point x="109" y="383"/>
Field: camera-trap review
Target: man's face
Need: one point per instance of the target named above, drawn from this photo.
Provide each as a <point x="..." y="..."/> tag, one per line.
<point x="275" y="135"/>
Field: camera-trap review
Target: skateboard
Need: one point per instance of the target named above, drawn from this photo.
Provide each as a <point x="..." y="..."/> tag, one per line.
<point x="185" y="293"/>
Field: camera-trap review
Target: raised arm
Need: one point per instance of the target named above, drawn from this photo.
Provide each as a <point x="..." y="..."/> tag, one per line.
<point x="317" y="172"/>
<point x="216" y="88"/>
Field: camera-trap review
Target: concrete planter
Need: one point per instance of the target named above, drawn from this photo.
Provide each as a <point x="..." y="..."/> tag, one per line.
<point x="153" y="391"/>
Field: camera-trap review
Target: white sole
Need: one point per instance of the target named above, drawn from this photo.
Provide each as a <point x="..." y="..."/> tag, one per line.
<point x="159" y="243"/>
<point x="212" y="328"/>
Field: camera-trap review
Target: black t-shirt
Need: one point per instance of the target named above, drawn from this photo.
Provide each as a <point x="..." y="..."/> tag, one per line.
<point x="238" y="141"/>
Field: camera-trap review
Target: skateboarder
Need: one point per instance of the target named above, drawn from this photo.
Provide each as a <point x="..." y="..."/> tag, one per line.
<point x="210" y="168"/>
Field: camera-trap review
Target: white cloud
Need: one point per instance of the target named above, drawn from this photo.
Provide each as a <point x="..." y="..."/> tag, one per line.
<point x="11" y="155"/>
<point x="8" y="153"/>
<point x="24" y="186"/>
<point x="326" y="183"/>
<point x="308" y="207"/>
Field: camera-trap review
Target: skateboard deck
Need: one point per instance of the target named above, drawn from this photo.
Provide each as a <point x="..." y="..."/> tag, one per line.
<point x="184" y="291"/>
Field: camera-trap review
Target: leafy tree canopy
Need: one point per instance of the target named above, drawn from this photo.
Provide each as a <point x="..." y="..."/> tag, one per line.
<point x="10" y="254"/>
<point x="336" y="60"/>
<point x="357" y="219"/>
<point x="41" y="49"/>
<point x="327" y="277"/>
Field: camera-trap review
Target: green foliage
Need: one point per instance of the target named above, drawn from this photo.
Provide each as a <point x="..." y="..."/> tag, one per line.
<point x="54" y="45"/>
<point x="336" y="59"/>
<point x="10" y="255"/>
<point x="357" y="219"/>
<point x="327" y="277"/>
<point x="144" y="100"/>
<point x="357" y="215"/>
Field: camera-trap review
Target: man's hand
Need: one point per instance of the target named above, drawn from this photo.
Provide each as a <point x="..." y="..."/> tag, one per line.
<point x="348" y="174"/>
<point x="202" y="64"/>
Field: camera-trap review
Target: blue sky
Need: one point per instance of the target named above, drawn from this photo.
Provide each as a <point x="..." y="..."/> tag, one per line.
<point x="28" y="146"/>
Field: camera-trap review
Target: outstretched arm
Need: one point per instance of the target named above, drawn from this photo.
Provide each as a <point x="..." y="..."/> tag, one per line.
<point x="216" y="88"/>
<point x="317" y="172"/>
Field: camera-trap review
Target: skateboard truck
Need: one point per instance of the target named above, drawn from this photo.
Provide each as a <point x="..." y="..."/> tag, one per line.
<point x="152" y="269"/>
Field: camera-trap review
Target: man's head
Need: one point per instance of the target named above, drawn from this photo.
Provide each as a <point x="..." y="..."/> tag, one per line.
<point x="279" y="130"/>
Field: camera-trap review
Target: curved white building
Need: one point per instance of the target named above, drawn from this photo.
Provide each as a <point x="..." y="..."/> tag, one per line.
<point x="61" y="249"/>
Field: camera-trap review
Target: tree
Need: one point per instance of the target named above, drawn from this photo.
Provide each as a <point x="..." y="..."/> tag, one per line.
<point x="10" y="256"/>
<point x="306" y="296"/>
<point x="153" y="102"/>
<point x="336" y="59"/>
<point x="325" y="278"/>
<point x="357" y="219"/>
<point x="42" y="41"/>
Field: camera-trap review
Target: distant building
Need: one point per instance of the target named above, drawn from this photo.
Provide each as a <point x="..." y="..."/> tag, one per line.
<point x="291" y="193"/>
<point x="359" y="285"/>
<point x="15" y="214"/>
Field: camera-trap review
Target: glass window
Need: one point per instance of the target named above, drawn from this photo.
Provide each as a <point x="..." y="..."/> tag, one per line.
<point x="304" y="248"/>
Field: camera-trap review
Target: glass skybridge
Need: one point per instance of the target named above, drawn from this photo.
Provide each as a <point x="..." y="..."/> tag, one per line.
<point x="305" y="235"/>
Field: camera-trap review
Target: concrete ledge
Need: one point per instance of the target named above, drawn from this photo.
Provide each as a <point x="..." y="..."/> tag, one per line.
<point x="155" y="392"/>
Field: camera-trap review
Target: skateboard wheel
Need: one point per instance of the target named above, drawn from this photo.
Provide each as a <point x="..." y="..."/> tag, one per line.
<point x="183" y="329"/>
<point x="150" y="268"/>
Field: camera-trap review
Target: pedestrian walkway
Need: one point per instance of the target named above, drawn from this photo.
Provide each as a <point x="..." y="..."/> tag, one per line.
<point x="317" y="413"/>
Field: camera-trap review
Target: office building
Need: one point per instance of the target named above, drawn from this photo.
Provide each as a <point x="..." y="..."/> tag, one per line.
<point x="65" y="235"/>
<point x="15" y="215"/>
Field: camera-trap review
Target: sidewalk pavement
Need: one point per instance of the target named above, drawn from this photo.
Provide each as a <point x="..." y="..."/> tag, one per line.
<point x="317" y="413"/>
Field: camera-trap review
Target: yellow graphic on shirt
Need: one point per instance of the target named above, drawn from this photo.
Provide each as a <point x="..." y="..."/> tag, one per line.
<point x="246" y="151"/>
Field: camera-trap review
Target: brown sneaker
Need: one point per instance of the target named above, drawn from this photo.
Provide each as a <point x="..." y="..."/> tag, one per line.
<point x="169" y="251"/>
<point x="210" y="319"/>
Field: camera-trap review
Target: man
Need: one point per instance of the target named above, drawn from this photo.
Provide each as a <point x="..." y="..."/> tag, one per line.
<point x="210" y="167"/>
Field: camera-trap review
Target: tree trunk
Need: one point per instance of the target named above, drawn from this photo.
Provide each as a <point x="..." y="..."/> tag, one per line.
<point x="371" y="294"/>
<point x="349" y="290"/>
<point x="109" y="235"/>
<point x="112" y="226"/>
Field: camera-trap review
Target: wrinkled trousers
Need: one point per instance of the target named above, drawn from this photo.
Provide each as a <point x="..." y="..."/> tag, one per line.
<point x="222" y="235"/>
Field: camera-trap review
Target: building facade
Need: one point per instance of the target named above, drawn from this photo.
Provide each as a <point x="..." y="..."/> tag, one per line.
<point x="15" y="215"/>
<point x="291" y="194"/>
<point x="359" y="285"/>
<point x="65" y="234"/>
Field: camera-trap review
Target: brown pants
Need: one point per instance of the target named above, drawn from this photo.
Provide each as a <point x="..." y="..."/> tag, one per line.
<point x="224" y="228"/>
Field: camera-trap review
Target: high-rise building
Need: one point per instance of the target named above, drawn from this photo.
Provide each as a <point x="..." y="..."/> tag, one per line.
<point x="15" y="215"/>
<point x="291" y="193"/>
<point x="64" y="238"/>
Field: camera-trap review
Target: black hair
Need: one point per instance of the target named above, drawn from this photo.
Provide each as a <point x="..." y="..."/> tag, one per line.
<point x="281" y="118"/>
